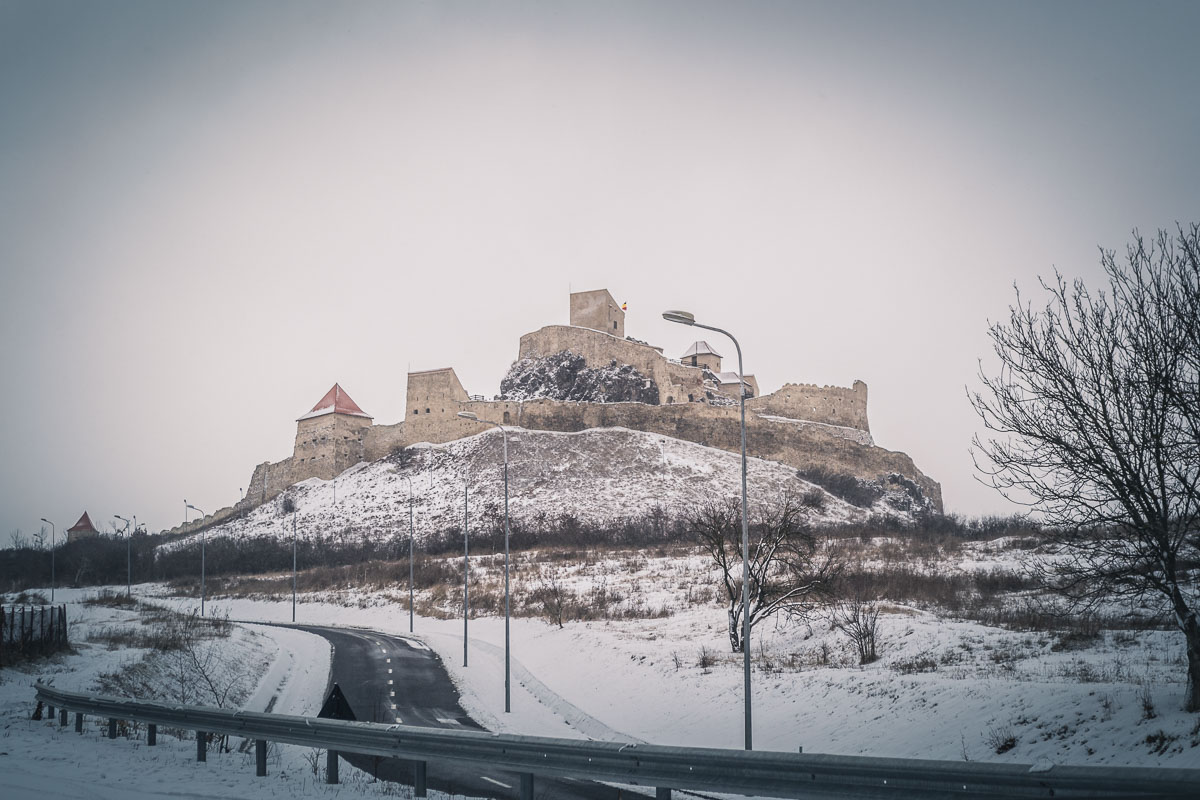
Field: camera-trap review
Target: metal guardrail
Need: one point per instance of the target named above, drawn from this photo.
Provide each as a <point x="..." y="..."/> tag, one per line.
<point x="760" y="773"/>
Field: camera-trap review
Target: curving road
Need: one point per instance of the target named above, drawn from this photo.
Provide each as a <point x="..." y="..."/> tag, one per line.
<point x="391" y="679"/>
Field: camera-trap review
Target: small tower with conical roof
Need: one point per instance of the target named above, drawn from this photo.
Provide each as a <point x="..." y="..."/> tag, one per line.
<point x="82" y="529"/>
<point x="329" y="438"/>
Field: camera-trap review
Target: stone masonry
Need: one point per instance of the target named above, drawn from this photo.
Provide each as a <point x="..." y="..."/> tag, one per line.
<point x="801" y="425"/>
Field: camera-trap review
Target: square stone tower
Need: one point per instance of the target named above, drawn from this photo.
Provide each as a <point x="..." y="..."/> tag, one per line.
<point x="597" y="310"/>
<point x="329" y="439"/>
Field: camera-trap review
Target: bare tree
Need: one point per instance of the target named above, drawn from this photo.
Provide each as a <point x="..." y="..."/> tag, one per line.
<point x="787" y="573"/>
<point x="1095" y="420"/>
<point x="858" y="621"/>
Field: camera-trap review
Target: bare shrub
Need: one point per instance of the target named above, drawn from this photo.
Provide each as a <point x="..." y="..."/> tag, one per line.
<point x="551" y="595"/>
<point x="1001" y="739"/>
<point x="706" y="658"/>
<point x="1147" y="700"/>
<point x="858" y="621"/>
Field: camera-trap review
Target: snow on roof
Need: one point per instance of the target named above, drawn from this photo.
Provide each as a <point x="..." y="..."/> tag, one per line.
<point x="700" y="348"/>
<point x="335" y="401"/>
<point x="83" y="526"/>
<point x="727" y="377"/>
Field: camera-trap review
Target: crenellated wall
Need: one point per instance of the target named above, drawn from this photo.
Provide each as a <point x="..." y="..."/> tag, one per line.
<point x="675" y="381"/>
<point x="802" y="425"/>
<point x="832" y="405"/>
<point x="270" y="479"/>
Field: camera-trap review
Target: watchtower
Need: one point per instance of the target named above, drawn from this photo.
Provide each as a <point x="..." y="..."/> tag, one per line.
<point x="82" y="529"/>
<point x="329" y="439"/>
<point x="597" y="310"/>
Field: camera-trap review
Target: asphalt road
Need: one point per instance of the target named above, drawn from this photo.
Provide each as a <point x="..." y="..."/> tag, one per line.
<point x="390" y="679"/>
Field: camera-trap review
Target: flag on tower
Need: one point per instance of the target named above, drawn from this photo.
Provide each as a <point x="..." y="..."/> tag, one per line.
<point x="624" y="306"/>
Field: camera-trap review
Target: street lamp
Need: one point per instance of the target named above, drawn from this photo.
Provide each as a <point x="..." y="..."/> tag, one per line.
<point x="507" y="673"/>
<point x="128" y="557"/>
<point x="53" y="529"/>
<point x="293" y="561"/>
<point x="203" y="532"/>
<point x="466" y="565"/>
<point x="410" y="554"/>
<point x="686" y="318"/>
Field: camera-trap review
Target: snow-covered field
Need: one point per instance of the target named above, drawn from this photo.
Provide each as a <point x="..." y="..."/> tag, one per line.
<point x="941" y="689"/>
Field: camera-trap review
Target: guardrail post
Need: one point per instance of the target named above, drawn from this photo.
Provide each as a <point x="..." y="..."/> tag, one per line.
<point x="260" y="757"/>
<point x="112" y="728"/>
<point x="62" y="718"/>
<point x="201" y="746"/>
<point x="526" y="786"/>
<point x="419" y="779"/>
<point x="151" y="734"/>
<point x="662" y="793"/>
<point x="331" y="766"/>
<point x="78" y="722"/>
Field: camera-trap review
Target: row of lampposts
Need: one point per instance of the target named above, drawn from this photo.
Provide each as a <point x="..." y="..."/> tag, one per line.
<point x="681" y="317"/>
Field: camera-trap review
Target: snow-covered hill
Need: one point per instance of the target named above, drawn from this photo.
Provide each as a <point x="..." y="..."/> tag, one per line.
<point x="597" y="475"/>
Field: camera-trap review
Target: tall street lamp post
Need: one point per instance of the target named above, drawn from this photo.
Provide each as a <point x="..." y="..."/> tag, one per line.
<point x="128" y="556"/>
<point x="466" y="566"/>
<point x="410" y="554"/>
<point x="203" y="533"/>
<point x="293" y="561"/>
<point x="53" y="530"/>
<point x="507" y="670"/>
<point x="685" y="318"/>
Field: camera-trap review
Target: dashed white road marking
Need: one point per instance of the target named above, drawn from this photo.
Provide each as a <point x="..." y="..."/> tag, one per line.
<point x="389" y="670"/>
<point x="389" y="681"/>
<point x="493" y="780"/>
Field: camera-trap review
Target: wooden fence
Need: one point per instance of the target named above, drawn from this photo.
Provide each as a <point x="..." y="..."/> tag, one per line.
<point x="28" y="632"/>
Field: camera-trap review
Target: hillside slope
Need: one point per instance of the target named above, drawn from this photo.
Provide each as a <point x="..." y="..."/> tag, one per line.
<point x="598" y="475"/>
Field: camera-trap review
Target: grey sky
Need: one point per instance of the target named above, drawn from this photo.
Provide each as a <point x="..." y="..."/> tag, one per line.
<point x="211" y="212"/>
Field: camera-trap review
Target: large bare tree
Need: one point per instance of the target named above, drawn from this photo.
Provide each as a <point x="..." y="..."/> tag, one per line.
<point x="1094" y="417"/>
<point x="788" y="573"/>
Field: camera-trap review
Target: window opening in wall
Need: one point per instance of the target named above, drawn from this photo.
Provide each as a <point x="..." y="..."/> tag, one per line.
<point x="427" y="411"/>
<point x="507" y="417"/>
<point x="670" y="400"/>
<point x="614" y="325"/>
<point x="690" y="398"/>
<point x="415" y="412"/>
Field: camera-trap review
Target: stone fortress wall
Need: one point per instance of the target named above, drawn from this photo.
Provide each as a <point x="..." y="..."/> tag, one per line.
<point x="802" y="425"/>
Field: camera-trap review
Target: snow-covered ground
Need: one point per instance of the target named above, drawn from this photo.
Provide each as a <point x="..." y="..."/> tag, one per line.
<point x="597" y="475"/>
<point x="287" y="672"/>
<point x="942" y="688"/>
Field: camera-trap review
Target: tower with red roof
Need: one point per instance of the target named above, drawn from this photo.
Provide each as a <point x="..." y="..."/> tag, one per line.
<point x="329" y="438"/>
<point x="82" y="529"/>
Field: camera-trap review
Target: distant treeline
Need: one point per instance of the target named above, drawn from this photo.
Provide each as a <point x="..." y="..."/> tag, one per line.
<point x="101" y="560"/>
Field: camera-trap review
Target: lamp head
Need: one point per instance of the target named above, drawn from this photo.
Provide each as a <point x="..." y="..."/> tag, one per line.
<point x="118" y="516"/>
<point x="468" y="415"/>
<point x="48" y="522"/>
<point x="682" y="317"/>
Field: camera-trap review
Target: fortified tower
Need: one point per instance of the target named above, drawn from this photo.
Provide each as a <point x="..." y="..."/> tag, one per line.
<point x="82" y="529"/>
<point x="329" y="439"/>
<point x="597" y="310"/>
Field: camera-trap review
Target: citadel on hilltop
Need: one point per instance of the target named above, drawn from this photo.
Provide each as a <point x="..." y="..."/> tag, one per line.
<point x="588" y="374"/>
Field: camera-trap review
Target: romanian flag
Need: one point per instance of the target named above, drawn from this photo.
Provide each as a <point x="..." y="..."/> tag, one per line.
<point x="624" y="306"/>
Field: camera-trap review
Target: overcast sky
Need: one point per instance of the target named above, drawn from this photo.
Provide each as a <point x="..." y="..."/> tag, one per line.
<point x="211" y="212"/>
